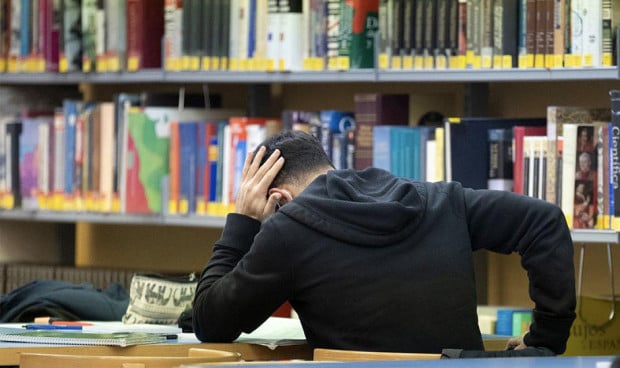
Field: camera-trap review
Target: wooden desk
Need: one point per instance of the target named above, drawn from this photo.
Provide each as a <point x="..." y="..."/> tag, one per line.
<point x="9" y="352"/>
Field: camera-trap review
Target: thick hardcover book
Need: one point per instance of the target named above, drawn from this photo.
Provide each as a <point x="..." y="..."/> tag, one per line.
<point x="334" y="123"/>
<point x="89" y="35"/>
<point x="174" y="169"/>
<point x="364" y="27"/>
<point x="467" y="163"/>
<point x="145" y="29"/>
<point x="291" y="38"/>
<point x="187" y="167"/>
<point x="397" y="34"/>
<point x="614" y="138"/>
<point x="557" y="117"/>
<point x="49" y="33"/>
<point x="173" y="31"/>
<point x="71" y="60"/>
<point x="505" y="33"/>
<point x="115" y="35"/>
<point x="373" y="109"/>
<point x="519" y="133"/>
<point x="121" y="339"/>
<point x="29" y="156"/>
<point x="13" y="132"/>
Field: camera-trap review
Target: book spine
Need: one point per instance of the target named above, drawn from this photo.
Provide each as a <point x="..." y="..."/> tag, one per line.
<point x="291" y="35"/>
<point x="365" y="24"/>
<point x="614" y="138"/>
<point x="592" y="33"/>
<point x="187" y="167"/>
<point x="607" y="49"/>
<point x="500" y="159"/>
<point x="174" y="163"/>
<point x="72" y="36"/>
<point x="559" y="31"/>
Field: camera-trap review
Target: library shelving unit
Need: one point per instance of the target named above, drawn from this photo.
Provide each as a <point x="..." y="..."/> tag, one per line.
<point x="475" y="91"/>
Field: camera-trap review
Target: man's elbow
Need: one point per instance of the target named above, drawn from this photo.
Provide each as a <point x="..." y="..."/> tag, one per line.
<point x="207" y="330"/>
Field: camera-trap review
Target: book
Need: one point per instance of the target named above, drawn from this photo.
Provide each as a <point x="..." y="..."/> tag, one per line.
<point x="557" y="117"/>
<point x="334" y="123"/>
<point x="121" y="339"/>
<point x="372" y="109"/>
<point x="145" y="29"/>
<point x="365" y="25"/>
<point x="115" y="35"/>
<point x="463" y="159"/>
<point x="29" y="156"/>
<point x="500" y="159"/>
<point x="173" y="30"/>
<point x="291" y="35"/>
<point x="614" y="141"/>
<point x="519" y="133"/>
<point x="505" y="54"/>
<point x="89" y="34"/>
<point x="71" y="53"/>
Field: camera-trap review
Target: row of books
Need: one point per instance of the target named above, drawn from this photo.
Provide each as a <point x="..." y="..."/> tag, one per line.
<point x="427" y="34"/>
<point x="569" y="159"/>
<point x="278" y="35"/>
<point x="127" y="157"/>
<point x="505" y="321"/>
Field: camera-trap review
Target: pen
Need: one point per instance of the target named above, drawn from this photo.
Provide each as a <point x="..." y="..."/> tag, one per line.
<point x="52" y="327"/>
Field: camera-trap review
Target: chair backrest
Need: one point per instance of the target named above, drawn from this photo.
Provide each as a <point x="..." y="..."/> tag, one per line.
<point x="357" y="355"/>
<point x="195" y="356"/>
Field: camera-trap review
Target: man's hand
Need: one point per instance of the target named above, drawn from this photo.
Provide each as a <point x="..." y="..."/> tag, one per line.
<point x="516" y="343"/>
<point x="253" y="199"/>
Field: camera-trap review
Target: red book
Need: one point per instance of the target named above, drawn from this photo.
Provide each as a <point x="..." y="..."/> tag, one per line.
<point x="174" y="167"/>
<point x="145" y="29"/>
<point x="519" y="132"/>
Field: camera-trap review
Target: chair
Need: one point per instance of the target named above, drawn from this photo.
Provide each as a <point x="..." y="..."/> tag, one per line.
<point x="194" y="356"/>
<point x="357" y="355"/>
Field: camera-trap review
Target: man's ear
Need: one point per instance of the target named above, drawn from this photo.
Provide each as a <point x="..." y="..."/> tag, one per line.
<point x="285" y="195"/>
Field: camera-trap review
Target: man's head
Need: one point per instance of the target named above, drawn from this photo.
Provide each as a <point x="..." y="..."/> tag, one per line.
<point x="304" y="159"/>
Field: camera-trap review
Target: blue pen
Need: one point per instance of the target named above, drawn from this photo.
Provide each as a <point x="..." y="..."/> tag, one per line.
<point x="52" y="327"/>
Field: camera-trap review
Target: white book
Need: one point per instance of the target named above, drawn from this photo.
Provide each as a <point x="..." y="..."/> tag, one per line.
<point x="431" y="172"/>
<point x="273" y="29"/>
<point x="569" y="163"/>
<point x="592" y="38"/>
<point x="291" y="36"/>
<point x="233" y="51"/>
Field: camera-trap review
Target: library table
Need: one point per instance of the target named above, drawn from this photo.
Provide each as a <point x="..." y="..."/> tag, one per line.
<point x="529" y="362"/>
<point x="9" y="351"/>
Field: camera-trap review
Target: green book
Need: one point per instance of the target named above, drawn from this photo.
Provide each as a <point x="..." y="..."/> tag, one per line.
<point x="121" y="339"/>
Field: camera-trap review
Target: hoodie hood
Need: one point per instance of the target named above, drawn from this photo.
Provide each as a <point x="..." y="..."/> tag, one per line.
<point x="369" y="207"/>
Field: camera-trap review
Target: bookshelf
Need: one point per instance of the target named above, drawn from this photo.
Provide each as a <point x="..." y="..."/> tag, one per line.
<point x="180" y="243"/>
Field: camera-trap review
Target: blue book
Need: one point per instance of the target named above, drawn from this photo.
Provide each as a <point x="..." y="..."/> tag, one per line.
<point x="382" y="147"/>
<point x="334" y="122"/>
<point x="71" y="109"/>
<point x="187" y="164"/>
<point x="25" y="28"/>
<point x="251" y="29"/>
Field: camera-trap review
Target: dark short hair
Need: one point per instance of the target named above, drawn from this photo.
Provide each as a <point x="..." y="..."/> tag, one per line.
<point x="302" y="153"/>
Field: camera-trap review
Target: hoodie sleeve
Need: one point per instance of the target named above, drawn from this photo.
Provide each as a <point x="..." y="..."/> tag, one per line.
<point x="241" y="285"/>
<point x="506" y="222"/>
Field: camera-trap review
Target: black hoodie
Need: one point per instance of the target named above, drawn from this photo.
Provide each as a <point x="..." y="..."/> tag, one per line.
<point x="370" y="261"/>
